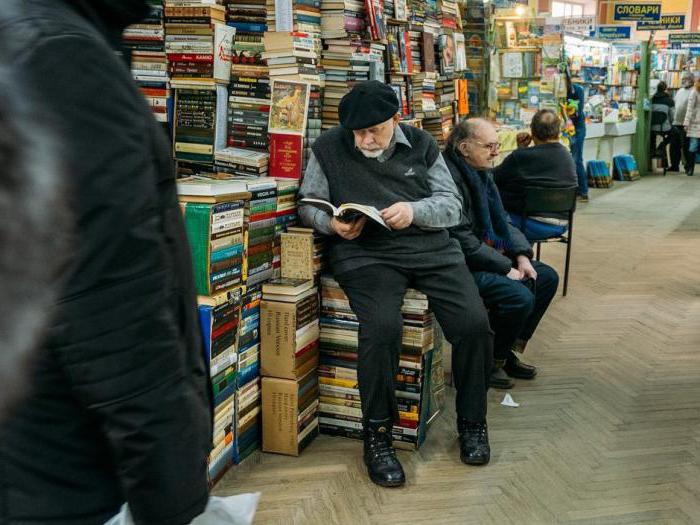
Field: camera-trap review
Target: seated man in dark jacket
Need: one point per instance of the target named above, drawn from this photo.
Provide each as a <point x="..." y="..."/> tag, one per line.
<point x="547" y="164"/>
<point x="516" y="290"/>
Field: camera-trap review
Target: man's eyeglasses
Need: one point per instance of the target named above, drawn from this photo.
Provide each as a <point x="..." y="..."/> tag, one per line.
<point x="493" y="146"/>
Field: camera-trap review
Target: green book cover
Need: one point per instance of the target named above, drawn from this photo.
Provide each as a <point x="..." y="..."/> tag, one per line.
<point x="197" y="221"/>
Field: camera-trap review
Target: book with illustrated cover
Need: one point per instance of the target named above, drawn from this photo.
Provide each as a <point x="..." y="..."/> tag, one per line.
<point x="348" y="212"/>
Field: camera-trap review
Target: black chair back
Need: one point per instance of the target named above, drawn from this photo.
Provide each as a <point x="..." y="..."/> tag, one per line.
<point x="549" y="200"/>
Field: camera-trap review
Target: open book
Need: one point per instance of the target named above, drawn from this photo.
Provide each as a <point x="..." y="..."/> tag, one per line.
<point x="347" y="212"/>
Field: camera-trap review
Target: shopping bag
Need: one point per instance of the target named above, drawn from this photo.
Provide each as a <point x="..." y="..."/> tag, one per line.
<point x="233" y="510"/>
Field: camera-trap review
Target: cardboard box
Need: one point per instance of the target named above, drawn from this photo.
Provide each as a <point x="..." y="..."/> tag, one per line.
<point x="289" y="413"/>
<point x="285" y="351"/>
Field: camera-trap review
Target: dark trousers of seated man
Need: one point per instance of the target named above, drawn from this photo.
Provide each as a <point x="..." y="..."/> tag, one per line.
<point x="376" y="294"/>
<point x="515" y="307"/>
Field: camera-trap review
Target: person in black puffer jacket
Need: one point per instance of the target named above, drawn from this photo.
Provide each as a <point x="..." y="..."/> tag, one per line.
<point x="119" y="402"/>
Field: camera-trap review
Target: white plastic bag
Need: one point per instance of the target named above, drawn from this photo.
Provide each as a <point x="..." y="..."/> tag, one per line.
<point x="233" y="510"/>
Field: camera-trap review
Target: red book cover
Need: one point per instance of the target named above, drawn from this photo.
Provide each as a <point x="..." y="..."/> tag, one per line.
<point x="285" y="156"/>
<point x="409" y="60"/>
<point x="188" y="57"/>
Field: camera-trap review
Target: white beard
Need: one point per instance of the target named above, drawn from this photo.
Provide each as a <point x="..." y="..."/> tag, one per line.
<point x="371" y="154"/>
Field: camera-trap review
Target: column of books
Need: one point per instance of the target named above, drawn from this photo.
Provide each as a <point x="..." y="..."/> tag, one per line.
<point x="198" y="45"/>
<point x="340" y="410"/>
<point x="145" y="43"/>
<point x="474" y="28"/>
<point x="348" y="57"/>
<point x="214" y="220"/>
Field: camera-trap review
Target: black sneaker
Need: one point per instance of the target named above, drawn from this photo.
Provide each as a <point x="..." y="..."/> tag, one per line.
<point x="474" y="446"/>
<point x="499" y="379"/>
<point x="383" y="466"/>
<point x="514" y="367"/>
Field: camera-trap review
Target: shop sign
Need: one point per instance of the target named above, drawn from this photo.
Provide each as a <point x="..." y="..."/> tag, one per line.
<point x="628" y="12"/>
<point x="676" y="40"/>
<point x="614" y="32"/>
<point x="665" y="23"/>
<point x="581" y="25"/>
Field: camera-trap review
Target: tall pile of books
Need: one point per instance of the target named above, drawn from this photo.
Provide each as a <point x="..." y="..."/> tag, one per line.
<point x="285" y="216"/>
<point x="149" y="66"/>
<point x="440" y="126"/>
<point x="219" y="318"/>
<point x="474" y="26"/>
<point x="198" y="45"/>
<point x="248" y="428"/>
<point x="289" y="357"/>
<point x="340" y="409"/>
<point x="448" y="14"/>
<point x="346" y="62"/>
<point x="249" y="108"/>
<point x="342" y="18"/>
<point x="423" y="99"/>
<point x="214" y="218"/>
<point x="260" y="225"/>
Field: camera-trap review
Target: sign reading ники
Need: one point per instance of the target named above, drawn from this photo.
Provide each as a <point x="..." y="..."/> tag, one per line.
<point x="628" y="12"/>
<point x="665" y="23"/>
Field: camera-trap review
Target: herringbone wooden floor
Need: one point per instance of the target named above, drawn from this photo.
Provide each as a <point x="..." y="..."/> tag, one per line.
<point x="609" y="432"/>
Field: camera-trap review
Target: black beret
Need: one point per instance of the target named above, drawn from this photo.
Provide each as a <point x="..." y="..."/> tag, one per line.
<point x="368" y="104"/>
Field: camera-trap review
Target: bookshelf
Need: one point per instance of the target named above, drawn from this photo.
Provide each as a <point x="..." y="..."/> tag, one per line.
<point x="609" y="76"/>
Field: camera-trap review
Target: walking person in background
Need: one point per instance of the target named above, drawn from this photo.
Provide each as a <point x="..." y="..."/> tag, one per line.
<point x="574" y="92"/>
<point x="662" y="115"/>
<point x="680" y="144"/>
<point x="117" y="405"/>
<point x="691" y="123"/>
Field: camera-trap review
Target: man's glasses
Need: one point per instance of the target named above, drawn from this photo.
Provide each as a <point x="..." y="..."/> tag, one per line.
<point x="493" y="146"/>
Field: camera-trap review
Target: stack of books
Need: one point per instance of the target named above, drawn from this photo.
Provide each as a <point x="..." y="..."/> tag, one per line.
<point x="260" y="222"/>
<point x="404" y="93"/>
<point x="149" y="66"/>
<point x="343" y="19"/>
<point x="340" y="409"/>
<point x="239" y="162"/>
<point x="285" y="216"/>
<point x="416" y="10"/>
<point x="248" y="428"/>
<point x="289" y="357"/>
<point x="293" y="56"/>
<point x="423" y="101"/>
<point x="314" y="122"/>
<point x="248" y="17"/>
<point x="441" y="125"/>
<point x="198" y="43"/>
<point x="448" y="14"/>
<point x="346" y="61"/>
<point x="214" y="219"/>
<point x="249" y="109"/>
<point x="219" y="317"/>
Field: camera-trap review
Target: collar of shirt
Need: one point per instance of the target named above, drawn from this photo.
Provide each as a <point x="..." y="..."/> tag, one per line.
<point x="398" y="138"/>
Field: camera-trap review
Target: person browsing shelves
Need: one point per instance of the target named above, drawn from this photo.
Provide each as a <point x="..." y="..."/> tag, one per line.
<point x="374" y="160"/>
<point x="516" y="290"/>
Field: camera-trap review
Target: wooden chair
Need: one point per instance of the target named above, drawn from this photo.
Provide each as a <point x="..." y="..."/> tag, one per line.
<point x="552" y="200"/>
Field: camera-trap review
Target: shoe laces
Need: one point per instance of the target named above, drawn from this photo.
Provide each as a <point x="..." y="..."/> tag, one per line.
<point x="477" y="430"/>
<point x="381" y="448"/>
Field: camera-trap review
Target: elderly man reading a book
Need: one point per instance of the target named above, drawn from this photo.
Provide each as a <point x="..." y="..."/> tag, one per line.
<point x="399" y="241"/>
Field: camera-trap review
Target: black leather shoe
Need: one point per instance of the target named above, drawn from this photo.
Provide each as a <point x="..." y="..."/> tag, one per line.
<point x="383" y="466"/>
<point x="474" y="446"/>
<point x="499" y="379"/>
<point x="514" y="367"/>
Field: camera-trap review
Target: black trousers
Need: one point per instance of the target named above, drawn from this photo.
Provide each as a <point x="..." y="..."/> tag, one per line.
<point x="681" y="145"/>
<point x="676" y="138"/>
<point x="516" y="307"/>
<point x="376" y="293"/>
